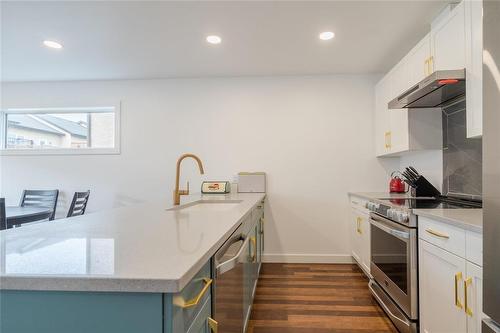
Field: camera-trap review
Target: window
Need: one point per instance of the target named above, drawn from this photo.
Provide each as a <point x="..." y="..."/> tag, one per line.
<point x="61" y="131"/>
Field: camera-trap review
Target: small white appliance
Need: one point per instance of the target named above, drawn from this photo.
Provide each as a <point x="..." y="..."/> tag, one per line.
<point x="252" y="182"/>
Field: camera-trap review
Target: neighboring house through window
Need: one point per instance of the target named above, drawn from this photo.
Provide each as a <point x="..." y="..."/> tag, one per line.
<point x="72" y="130"/>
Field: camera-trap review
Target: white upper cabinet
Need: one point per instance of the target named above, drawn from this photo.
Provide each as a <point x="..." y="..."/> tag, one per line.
<point x="398" y="119"/>
<point x="399" y="131"/>
<point x="419" y="65"/>
<point x="454" y="42"/>
<point x="457" y="42"/>
<point x="448" y="39"/>
<point x="474" y="66"/>
<point x="383" y="137"/>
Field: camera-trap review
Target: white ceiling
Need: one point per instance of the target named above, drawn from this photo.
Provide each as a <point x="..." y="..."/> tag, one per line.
<point x="138" y="39"/>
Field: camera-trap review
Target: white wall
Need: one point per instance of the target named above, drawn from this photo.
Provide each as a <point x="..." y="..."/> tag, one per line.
<point x="312" y="135"/>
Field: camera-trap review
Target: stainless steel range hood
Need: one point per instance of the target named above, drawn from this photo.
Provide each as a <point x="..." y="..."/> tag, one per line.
<point x="433" y="91"/>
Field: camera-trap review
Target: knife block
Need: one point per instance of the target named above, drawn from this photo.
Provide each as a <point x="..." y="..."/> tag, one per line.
<point x="423" y="188"/>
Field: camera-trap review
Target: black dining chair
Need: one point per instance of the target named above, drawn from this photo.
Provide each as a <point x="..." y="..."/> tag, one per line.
<point x="40" y="198"/>
<point x="3" y="218"/>
<point x="78" y="204"/>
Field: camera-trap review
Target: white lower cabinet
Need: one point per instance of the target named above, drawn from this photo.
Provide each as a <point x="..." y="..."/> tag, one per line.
<point x="440" y="296"/>
<point x="474" y="294"/>
<point x="365" y="242"/>
<point x="360" y="238"/>
<point x="450" y="286"/>
<point x="355" y="238"/>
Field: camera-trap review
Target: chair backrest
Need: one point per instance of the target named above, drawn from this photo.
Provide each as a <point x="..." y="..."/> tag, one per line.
<point x="40" y="198"/>
<point x="3" y="218"/>
<point x="78" y="204"/>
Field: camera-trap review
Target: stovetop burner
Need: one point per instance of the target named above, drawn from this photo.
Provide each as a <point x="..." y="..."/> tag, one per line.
<point x="401" y="210"/>
<point x="433" y="203"/>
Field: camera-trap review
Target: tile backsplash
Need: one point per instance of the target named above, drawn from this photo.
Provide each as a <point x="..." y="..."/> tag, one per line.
<point x="462" y="157"/>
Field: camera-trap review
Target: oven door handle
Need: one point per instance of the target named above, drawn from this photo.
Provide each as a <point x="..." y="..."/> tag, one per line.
<point x="405" y="236"/>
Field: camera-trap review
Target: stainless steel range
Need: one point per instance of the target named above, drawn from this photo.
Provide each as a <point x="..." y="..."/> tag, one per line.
<point x="394" y="254"/>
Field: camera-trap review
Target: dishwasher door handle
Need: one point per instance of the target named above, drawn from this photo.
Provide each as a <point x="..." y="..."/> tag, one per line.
<point x="231" y="263"/>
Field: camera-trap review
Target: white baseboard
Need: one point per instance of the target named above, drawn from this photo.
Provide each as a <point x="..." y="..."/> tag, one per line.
<point x="308" y="258"/>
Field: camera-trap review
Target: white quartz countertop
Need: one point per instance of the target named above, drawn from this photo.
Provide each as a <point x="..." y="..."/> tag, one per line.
<point x="143" y="248"/>
<point x="470" y="219"/>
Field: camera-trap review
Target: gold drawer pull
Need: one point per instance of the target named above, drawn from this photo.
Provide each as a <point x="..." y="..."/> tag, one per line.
<point x="467" y="283"/>
<point x="437" y="233"/>
<point x="197" y="299"/>
<point x="214" y="325"/>
<point x="358" y="225"/>
<point x="458" y="277"/>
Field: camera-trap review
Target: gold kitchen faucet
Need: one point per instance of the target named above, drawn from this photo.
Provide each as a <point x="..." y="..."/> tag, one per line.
<point x="177" y="191"/>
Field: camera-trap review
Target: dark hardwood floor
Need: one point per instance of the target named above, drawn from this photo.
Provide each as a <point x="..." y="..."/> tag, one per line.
<point x="315" y="298"/>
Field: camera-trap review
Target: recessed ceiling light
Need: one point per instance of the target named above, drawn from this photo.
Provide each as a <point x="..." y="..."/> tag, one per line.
<point x="213" y="39"/>
<point x="52" y="44"/>
<point x="326" y="35"/>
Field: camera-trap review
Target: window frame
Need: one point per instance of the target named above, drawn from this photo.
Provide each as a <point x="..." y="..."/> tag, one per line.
<point x="116" y="150"/>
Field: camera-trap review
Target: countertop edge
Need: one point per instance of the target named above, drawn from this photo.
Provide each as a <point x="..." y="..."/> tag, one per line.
<point x="451" y="221"/>
<point x="61" y="283"/>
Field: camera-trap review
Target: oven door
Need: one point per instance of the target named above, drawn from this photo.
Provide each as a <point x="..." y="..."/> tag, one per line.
<point x="394" y="262"/>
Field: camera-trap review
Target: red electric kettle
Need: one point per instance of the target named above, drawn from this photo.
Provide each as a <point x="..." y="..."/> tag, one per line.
<point x="396" y="185"/>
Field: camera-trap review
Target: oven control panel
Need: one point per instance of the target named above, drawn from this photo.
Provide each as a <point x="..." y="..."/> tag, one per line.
<point x="394" y="214"/>
<point x="397" y="215"/>
<point x="372" y="206"/>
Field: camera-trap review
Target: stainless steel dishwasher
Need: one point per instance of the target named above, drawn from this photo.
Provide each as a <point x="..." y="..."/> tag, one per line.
<point x="228" y="289"/>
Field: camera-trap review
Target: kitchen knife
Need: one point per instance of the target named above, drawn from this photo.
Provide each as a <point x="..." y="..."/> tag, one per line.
<point x="414" y="170"/>
<point x="414" y="175"/>
<point x="408" y="178"/>
<point x="409" y="174"/>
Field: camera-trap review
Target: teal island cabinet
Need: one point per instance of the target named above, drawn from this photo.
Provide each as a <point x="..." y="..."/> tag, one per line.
<point x="142" y="269"/>
<point x="189" y="311"/>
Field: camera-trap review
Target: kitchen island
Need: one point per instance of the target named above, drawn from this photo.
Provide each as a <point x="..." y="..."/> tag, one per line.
<point x="132" y="269"/>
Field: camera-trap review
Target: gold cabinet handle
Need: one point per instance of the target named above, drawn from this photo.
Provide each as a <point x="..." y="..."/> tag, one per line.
<point x="213" y="325"/>
<point x="437" y="233"/>
<point x="467" y="283"/>
<point x="426" y="67"/>
<point x="192" y="302"/>
<point x="358" y="225"/>
<point x="254" y="250"/>
<point x="458" y="277"/>
<point x="388" y="139"/>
